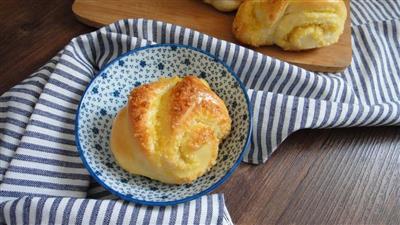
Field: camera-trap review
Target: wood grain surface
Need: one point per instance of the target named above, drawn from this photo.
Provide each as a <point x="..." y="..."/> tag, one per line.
<point x="338" y="176"/>
<point x="202" y="17"/>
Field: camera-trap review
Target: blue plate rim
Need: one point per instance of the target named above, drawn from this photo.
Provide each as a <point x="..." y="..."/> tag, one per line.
<point x="186" y="199"/>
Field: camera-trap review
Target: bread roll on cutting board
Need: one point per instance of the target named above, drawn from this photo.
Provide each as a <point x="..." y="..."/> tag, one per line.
<point x="290" y="24"/>
<point x="224" y="5"/>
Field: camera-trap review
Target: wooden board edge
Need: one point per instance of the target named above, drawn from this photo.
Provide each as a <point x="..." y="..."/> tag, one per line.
<point x="83" y="19"/>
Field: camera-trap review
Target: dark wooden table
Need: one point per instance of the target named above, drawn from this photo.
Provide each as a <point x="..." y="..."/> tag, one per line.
<point x="338" y="176"/>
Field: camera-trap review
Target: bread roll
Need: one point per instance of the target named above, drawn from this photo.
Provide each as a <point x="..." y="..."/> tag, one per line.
<point x="170" y="130"/>
<point x="224" y="5"/>
<point x="290" y="24"/>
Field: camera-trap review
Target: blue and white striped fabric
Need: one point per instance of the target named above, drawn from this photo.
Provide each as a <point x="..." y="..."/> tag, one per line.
<point x="42" y="179"/>
<point x="65" y="210"/>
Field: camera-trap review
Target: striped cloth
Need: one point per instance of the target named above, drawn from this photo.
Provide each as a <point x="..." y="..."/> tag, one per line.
<point x="42" y="179"/>
<point x="65" y="210"/>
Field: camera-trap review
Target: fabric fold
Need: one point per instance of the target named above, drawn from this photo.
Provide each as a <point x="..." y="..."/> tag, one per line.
<point x="208" y="209"/>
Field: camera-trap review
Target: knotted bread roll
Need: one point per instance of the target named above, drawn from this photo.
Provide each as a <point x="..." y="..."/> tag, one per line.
<point x="291" y="24"/>
<point x="170" y="130"/>
<point x="224" y="5"/>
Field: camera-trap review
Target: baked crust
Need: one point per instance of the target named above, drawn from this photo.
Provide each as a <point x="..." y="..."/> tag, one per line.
<point x="174" y="128"/>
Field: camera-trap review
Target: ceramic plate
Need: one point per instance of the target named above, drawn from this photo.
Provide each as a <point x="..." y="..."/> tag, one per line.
<point x="108" y="93"/>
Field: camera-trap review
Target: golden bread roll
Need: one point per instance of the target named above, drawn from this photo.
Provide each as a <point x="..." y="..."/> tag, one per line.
<point x="290" y="24"/>
<point x="224" y="5"/>
<point x="170" y="130"/>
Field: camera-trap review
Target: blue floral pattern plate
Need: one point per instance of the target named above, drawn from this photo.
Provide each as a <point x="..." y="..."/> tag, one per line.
<point x="108" y="93"/>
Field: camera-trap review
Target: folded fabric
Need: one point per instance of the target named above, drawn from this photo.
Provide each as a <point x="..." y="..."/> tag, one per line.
<point x="38" y="156"/>
<point x="63" y="210"/>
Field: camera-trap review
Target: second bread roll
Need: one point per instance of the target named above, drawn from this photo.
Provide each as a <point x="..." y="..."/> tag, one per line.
<point x="290" y="24"/>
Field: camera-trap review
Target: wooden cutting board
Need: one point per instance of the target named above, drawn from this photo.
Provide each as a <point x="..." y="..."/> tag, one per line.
<point x="202" y="17"/>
